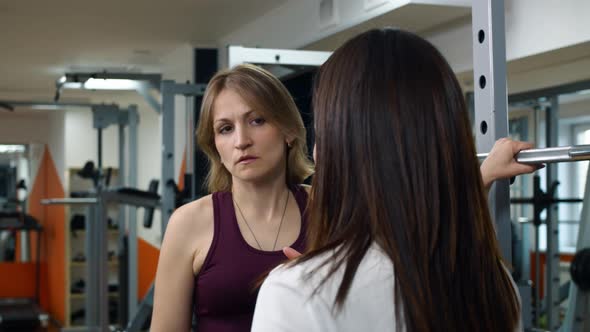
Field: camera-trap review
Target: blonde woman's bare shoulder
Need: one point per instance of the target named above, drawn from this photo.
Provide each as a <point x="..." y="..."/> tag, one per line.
<point x="193" y="216"/>
<point x="189" y="233"/>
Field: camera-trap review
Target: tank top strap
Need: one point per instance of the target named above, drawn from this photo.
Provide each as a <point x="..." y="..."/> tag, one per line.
<point x="223" y="211"/>
<point x="301" y="197"/>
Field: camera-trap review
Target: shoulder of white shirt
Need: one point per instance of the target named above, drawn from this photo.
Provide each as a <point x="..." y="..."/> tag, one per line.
<point x="310" y="273"/>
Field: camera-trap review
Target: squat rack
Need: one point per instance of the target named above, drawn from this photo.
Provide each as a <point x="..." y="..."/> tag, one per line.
<point x="491" y="122"/>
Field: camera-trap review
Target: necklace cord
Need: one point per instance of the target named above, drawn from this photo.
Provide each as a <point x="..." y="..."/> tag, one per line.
<point x="250" y="229"/>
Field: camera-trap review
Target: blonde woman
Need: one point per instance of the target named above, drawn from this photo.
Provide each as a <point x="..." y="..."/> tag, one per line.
<point x="216" y="248"/>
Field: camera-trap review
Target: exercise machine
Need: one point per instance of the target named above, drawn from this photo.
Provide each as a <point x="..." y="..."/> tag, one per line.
<point x="23" y="313"/>
<point x="96" y="219"/>
<point x="491" y="123"/>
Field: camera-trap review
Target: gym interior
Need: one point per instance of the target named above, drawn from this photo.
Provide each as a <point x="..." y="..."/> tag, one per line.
<point x="98" y="105"/>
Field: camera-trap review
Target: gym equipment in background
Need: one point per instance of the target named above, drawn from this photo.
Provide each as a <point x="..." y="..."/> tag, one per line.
<point x="23" y="313"/>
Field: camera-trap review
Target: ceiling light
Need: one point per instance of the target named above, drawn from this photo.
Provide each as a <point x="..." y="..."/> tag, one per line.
<point x="111" y="84"/>
<point x="142" y="83"/>
<point x="47" y="107"/>
<point x="5" y="148"/>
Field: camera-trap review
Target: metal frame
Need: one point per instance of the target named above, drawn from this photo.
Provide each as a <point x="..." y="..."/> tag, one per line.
<point x="97" y="318"/>
<point x="190" y="124"/>
<point x="96" y="236"/>
<point x="104" y="116"/>
<point x="491" y="103"/>
<point x="94" y="311"/>
<point x="576" y="318"/>
<point x="105" y="198"/>
<point x="550" y="155"/>
<point x="491" y="117"/>
<point x="169" y="90"/>
<point x="133" y="118"/>
<point x="114" y="196"/>
<point x="552" y="253"/>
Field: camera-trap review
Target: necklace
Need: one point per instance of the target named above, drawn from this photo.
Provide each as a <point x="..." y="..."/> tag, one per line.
<point x="280" y="224"/>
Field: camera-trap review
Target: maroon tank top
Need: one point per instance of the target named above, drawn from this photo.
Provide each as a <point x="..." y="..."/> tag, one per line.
<point x="225" y="293"/>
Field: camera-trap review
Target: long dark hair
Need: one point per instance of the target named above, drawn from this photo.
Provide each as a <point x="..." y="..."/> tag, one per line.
<point x="396" y="165"/>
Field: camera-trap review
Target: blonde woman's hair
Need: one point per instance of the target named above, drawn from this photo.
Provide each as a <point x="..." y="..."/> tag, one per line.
<point x="264" y="93"/>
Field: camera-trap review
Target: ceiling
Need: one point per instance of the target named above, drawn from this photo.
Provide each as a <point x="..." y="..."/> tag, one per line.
<point x="41" y="40"/>
<point x="418" y="18"/>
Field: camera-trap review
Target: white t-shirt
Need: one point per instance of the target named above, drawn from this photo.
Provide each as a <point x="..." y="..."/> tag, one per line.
<point x="285" y="302"/>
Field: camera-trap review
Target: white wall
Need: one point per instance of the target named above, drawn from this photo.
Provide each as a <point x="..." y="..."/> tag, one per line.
<point x="56" y="141"/>
<point x="297" y="23"/>
<point x="536" y="26"/>
<point x="533" y="27"/>
<point x="550" y="75"/>
<point x="23" y="128"/>
<point x="35" y="128"/>
<point x="81" y="140"/>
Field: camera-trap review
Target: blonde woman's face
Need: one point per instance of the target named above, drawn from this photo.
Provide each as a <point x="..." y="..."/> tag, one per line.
<point x="250" y="148"/>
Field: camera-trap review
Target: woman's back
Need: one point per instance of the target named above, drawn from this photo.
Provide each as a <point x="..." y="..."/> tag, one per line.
<point x="369" y="305"/>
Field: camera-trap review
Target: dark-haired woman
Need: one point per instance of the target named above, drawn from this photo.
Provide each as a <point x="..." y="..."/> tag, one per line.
<point x="400" y="236"/>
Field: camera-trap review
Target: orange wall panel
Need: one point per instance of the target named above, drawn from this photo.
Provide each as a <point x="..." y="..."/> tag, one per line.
<point x="17" y="280"/>
<point x="147" y="263"/>
<point x="181" y="173"/>
<point x="563" y="257"/>
<point x="48" y="184"/>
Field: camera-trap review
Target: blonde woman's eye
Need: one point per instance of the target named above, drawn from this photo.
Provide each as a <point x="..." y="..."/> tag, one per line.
<point x="224" y="129"/>
<point x="258" y="121"/>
